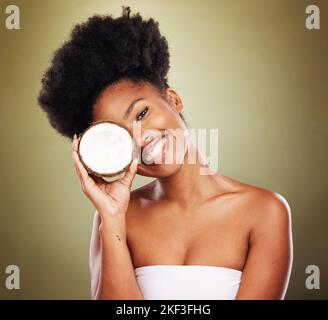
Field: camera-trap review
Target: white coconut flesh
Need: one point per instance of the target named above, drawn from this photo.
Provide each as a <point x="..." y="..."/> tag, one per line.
<point x="106" y="148"/>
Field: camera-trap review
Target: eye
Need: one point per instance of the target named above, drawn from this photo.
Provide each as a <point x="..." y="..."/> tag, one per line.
<point x="142" y="114"/>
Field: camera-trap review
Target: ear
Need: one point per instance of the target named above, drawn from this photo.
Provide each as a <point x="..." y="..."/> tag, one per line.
<point x="174" y="100"/>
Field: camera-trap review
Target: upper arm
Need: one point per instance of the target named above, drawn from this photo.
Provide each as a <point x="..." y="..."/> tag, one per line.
<point x="268" y="265"/>
<point x="95" y="254"/>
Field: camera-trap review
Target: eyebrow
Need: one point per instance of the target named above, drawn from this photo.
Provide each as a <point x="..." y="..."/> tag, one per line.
<point x="130" y="108"/>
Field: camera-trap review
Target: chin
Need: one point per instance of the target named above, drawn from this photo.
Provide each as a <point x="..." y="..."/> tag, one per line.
<point x="158" y="170"/>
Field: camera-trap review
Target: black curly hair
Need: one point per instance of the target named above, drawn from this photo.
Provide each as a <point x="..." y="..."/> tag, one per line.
<point x="100" y="52"/>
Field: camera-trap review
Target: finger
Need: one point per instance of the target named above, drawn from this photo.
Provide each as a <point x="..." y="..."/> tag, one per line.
<point x="130" y="173"/>
<point x="74" y="147"/>
<point x="78" y="173"/>
<point x="99" y="181"/>
<point x="75" y="143"/>
<point x="83" y="173"/>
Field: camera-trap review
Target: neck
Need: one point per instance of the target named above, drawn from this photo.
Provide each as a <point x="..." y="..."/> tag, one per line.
<point x="188" y="185"/>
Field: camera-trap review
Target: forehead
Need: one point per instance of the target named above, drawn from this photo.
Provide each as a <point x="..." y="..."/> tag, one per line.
<point x="114" y="100"/>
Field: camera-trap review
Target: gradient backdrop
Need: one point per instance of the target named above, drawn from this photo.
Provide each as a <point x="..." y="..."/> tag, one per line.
<point x="249" y="68"/>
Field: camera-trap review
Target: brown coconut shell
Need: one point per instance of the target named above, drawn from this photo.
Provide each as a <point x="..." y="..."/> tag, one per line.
<point x="104" y="174"/>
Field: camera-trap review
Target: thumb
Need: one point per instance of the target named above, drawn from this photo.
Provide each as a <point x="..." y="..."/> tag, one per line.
<point x="130" y="173"/>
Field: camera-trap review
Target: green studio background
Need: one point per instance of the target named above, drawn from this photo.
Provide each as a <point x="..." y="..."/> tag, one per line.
<point x="249" y="68"/>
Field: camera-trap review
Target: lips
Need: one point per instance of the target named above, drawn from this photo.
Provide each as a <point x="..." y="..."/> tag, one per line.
<point x="153" y="149"/>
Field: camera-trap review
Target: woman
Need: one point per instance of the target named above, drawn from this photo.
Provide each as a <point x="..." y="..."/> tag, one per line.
<point x="185" y="235"/>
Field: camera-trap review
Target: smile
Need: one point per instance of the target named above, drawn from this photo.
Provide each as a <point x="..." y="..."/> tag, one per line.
<point x="154" y="151"/>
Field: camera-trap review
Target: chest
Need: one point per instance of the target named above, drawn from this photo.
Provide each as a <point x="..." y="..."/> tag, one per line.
<point x="205" y="236"/>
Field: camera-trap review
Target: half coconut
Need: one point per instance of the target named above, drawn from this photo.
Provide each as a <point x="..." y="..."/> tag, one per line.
<point x="106" y="150"/>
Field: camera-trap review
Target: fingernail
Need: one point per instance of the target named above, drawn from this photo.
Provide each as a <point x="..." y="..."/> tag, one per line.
<point x="74" y="136"/>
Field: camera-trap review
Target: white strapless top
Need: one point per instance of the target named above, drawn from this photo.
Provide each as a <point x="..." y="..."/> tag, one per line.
<point x="188" y="282"/>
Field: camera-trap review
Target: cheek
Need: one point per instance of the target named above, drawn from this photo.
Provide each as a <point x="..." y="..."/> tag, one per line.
<point x="176" y="150"/>
<point x="159" y="118"/>
<point x="162" y="117"/>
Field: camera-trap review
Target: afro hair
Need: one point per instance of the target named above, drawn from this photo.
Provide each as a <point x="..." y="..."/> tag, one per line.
<point x="100" y="52"/>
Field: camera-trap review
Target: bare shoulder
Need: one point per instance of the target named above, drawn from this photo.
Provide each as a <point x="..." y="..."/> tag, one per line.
<point x="270" y="207"/>
<point x="260" y="205"/>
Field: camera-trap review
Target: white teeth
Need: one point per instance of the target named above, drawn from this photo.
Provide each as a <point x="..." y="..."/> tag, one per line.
<point x="156" y="150"/>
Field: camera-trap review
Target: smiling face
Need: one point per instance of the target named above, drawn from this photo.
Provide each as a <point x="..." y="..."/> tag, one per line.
<point x="148" y="116"/>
